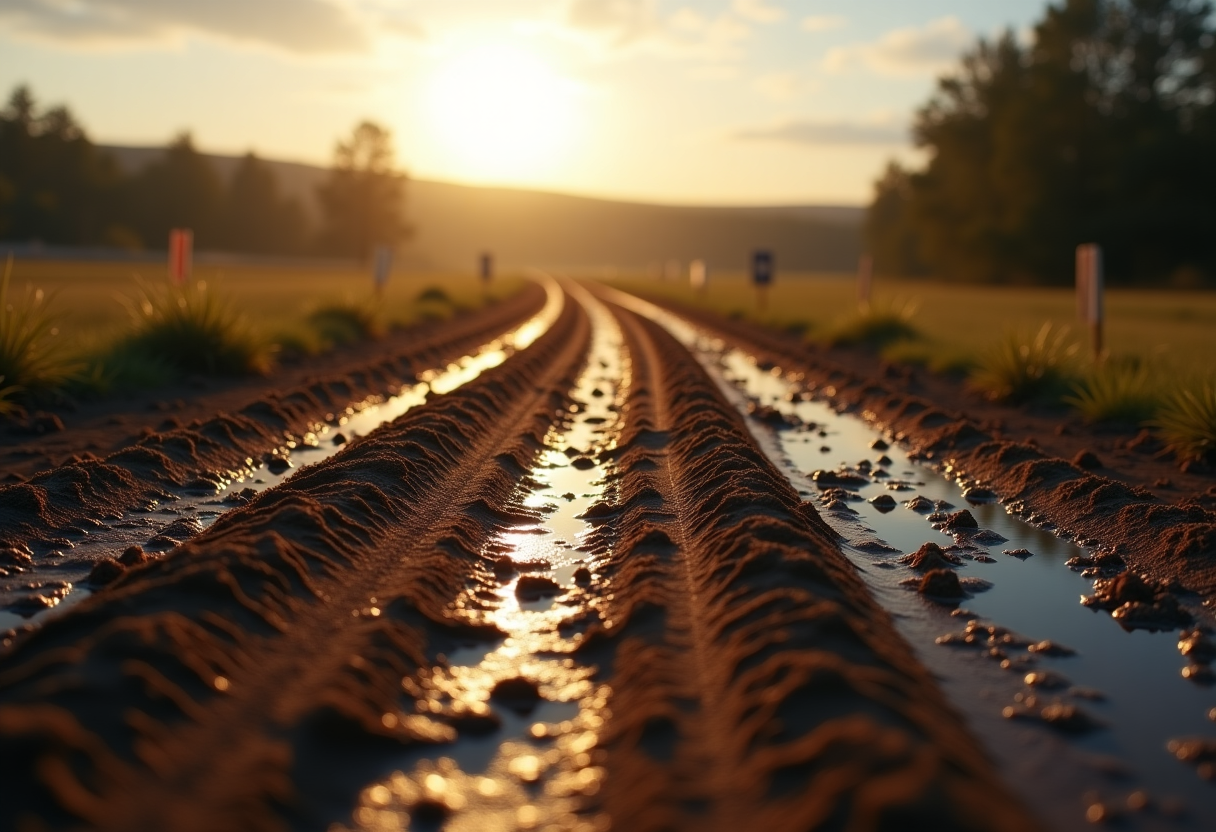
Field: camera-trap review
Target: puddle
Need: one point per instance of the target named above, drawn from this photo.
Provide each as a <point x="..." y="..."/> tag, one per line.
<point x="57" y="580"/>
<point x="1127" y="684"/>
<point x="539" y="765"/>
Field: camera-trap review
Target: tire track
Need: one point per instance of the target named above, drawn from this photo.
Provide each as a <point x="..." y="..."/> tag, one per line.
<point x="200" y="692"/>
<point x="756" y="684"/>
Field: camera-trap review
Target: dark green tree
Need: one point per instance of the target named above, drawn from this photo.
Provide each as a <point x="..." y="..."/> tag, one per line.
<point x="363" y="200"/>
<point x="1100" y="130"/>
<point x="55" y="186"/>
<point x="255" y="217"/>
<point x="181" y="189"/>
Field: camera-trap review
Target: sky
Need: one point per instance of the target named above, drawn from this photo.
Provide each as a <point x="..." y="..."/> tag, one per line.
<point x="677" y="101"/>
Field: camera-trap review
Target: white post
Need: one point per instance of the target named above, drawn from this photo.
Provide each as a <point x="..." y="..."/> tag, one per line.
<point x="382" y="265"/>
<point x="698" y="275"/>
<point x="865" y="281"/>
<point x="1090" y="286"/>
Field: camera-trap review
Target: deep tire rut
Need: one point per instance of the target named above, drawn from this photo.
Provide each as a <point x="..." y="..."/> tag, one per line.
<point x="263" y="674"/>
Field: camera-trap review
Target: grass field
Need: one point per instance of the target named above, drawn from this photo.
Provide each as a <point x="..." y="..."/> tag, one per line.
<point x="956" y="323"/>
<point x="1159" y="344"/>
<point x="113" y="322"/>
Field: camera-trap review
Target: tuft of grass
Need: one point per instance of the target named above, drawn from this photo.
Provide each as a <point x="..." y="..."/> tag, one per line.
<point x="934" y="356"/>
<point x="1023" y="368"/>
<point x="186" y="330"/>
<point x="875" y="328"/>
<point x="1187" y="422"/>
<point x="433" y="294"/>
<point x="33" y="359"/>
<point x="1119" y="391"/>
<point x="342" y="324"/>
<point x="8" y="406"/>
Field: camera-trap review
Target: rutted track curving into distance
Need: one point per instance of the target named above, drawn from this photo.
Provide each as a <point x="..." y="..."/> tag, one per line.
<point x="302" y="662"/>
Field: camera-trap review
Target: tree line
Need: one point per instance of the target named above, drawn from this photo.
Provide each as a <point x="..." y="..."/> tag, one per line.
<point x="1101" y="128"/>
<point x="58" y="188"/>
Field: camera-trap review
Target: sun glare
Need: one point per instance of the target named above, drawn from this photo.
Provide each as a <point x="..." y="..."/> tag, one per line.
<point x="501" y="113"/>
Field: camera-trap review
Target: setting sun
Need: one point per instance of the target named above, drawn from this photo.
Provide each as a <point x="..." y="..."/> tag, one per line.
<point x="500" y="112"/>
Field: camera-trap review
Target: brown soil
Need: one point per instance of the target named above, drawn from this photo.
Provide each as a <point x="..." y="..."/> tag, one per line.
<point x="121" y="456"/>
<point x="1136" y="501"/>
<point x="757" y="685"/>
<point x="203" y="690"/>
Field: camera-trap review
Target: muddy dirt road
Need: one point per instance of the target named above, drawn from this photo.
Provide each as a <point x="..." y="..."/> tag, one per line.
<point x="574" y="580"/>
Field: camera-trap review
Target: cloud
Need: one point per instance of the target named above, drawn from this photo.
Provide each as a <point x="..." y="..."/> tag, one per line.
<point x="758" y="11"/>
<point x="622" y="25"/>
<point x="824" y="133"/>
<point x="824" y="22"/>
<point x="928" y="49"/>
<point x="301" y="26"/>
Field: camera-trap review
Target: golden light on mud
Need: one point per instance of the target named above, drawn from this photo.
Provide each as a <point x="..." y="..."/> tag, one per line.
<point x="501" y="112"/>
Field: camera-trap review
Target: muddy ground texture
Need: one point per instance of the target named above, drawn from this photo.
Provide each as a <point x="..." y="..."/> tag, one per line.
<point x="1118" y="491"/>
<point x="291" y="666"/>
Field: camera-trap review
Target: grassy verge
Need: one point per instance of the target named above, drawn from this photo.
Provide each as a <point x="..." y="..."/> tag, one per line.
<point x="113" y="329"/>
<point x="1013" y="344"/>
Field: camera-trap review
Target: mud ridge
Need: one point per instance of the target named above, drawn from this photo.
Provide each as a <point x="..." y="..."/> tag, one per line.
<point x="246" y="680"/>
<point x="756" y="685"/>
<point x="45" y="513"/>
<point x="1174" y="544"/>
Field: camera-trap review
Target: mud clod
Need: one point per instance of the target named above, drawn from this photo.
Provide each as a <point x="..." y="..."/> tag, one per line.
<point x="1020" y="554"/>
<point x="339" y="439"/>
<point x="1087" y="460"/>
<point x="1138" y="602"/>
<point x="1048" y="647"/>
<point x="929" y="557"/>
<point x="1196" y="646"/>
<point x="941" y="583"/>
<point x="583" y="463"/>
<point x="106" y="571"/>
<point x="582" y="576"/>
<point x="133" y="556"/>
<point x="518" y="693"/>
<point x="980" y="496"/>
<point x="960" y="521"/>
<point x="883" y="502"/>
<point x="921" y="505"/>
<point x="536" y="587"/>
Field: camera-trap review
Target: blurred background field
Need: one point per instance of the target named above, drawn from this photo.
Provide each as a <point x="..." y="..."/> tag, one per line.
<point x="92" y="328"/>
<point x="950" y="325"/>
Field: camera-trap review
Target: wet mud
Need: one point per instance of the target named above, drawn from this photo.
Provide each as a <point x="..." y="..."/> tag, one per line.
<point x="241" y="681"/>
<point x="1174" y="543"/>
<point x="53" y="511"/>
<point x="755" y="683"/>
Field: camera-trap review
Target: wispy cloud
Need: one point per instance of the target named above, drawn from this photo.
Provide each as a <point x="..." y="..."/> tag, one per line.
<point x="300" y="26"/>
<point x="781" y="86"/>
<point x="636" y="25"/>
<point x="915" y="50"/>
<point x="883" y="131"/>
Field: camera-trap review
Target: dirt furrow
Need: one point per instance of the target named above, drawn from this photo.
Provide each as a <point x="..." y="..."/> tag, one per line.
<point x="756" y="684"/>
<point x="247" y="678"/>
<point x="1174" y="544"/>
<point x="46" y="513"/>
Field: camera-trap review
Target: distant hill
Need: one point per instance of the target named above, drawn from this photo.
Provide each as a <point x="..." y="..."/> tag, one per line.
<point x="453" y="223"/>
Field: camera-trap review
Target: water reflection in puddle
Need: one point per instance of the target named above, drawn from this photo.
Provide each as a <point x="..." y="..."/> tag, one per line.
<point x="1128" y="684"/>
<point x="55" y="580"/>
<point x="533" y="762"/>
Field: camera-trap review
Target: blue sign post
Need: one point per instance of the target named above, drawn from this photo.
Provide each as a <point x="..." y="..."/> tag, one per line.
<point x="763" y="270"/>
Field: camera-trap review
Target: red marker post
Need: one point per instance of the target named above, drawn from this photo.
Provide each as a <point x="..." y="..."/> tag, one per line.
<point x="1090" y="306"/>
<point x="181" y="255"/>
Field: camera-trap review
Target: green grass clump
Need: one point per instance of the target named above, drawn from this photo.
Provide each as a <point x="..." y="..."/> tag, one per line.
<point x="184" y="330"/>
<point x="342" y="324"/>
<point x="874" y="327"/>
<point x="932" y="355"/>
<point x="1023" y="368"/>
<point x="1119" y="392"/>
<point x="33" y="359"/>
<point x="433" y="294"/>
<point x="1187" y="422"/>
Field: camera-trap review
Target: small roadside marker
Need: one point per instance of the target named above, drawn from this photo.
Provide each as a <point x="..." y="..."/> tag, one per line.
<point x="1090" y="306"/>
<point x="382" y="266"/>
<point x="865" y="281"/>
<point x="698" y="275"/>
<point x="181" y="255"/>
<point x="763" y="270"/>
